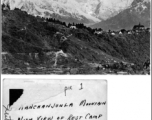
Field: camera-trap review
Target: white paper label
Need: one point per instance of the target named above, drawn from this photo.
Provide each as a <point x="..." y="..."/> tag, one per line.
<point x="54" y="99"/>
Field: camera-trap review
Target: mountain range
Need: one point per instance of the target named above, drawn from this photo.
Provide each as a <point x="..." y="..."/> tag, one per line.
<point x="86" y="11"/>
<point x="106" y="14"/>
<point x="138" y="12"/>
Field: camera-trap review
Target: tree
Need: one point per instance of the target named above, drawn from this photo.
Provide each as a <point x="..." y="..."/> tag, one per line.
<point x="63" y="23"/>
<point x="5" y="7"/>
<point x="16" y="9"/>
<point x="8" y="7"/>
<point x="69" y="24"/>
<point x="99" y="29"/>
<point x="73" y="24"/>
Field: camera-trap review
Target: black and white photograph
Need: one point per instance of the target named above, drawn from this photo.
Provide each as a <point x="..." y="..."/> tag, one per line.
<point x="95" y="37"/>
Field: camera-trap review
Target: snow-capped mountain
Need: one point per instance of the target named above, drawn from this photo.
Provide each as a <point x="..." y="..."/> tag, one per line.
<point x="138" y="12"/>
<point x="86" y="11"/>
<point x="104" y="9"/>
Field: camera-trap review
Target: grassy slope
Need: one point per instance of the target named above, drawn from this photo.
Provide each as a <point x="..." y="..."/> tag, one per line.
<point x="23" y="33"/>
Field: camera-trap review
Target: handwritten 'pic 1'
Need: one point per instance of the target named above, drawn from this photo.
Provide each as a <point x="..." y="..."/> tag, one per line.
<point x="54" y="99"/>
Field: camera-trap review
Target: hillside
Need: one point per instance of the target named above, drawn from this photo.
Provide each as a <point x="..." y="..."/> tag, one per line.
<point x="33" y="45"/>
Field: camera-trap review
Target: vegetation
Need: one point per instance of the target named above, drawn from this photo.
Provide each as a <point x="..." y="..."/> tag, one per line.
<point x="30" y="45"/>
